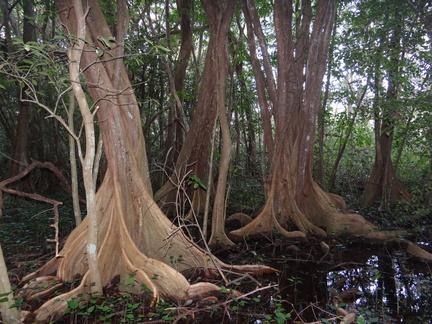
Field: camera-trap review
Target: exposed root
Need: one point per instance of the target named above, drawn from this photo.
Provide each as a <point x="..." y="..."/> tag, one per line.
<point x="249" y="268"/>
<point x="265" y="222"/>
<point x="54" y="308"/>
<point x="221" y="242"/>
<point x="410" y="248"/>
<point x="347" y="224"/>
<point x="203" y="290"/>
<point x="36" y="289"/>
<point x="47" y="269"/>
<point x="240" y="218"/>
<point x="323" y="214"/>
<point x="154" y="256"/>
<point x="418" y="252"/>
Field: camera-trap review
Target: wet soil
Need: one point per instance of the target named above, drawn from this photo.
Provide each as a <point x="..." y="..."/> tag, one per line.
<point x="317" y="281"/>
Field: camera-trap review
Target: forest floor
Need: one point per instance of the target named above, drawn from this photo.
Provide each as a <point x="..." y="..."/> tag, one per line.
<point x="315" y="284"/>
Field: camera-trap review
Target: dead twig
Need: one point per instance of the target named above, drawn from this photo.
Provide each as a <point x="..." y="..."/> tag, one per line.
<point x="37" y="197"/>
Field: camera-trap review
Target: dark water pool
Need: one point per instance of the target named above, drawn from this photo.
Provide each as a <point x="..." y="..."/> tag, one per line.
<point x="379" y="286"/>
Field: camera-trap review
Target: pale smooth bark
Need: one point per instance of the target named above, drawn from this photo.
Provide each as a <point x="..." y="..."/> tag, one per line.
<point x="73" y="162"/>
<point x="8" y="314"/>
<point x="88" y="159"/>
<point x="133" y="231"/>
<point x="218" y="236"/>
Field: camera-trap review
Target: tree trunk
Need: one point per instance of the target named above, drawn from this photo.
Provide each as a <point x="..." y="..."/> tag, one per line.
<point x="218" y="236"/>
<point x="194" y="155"/>
<point x="132" y="230"/>
<point x="8" y="314"/>
<point x="176" y="124"/>
<point x="294" y="200"/>
<point x="73" y="162"/>
<point x="7" y="28"/>
<point x="76" y="53"/>
<point x="20" y="143"/>
<point x="252" y="22"/>
<point x="321" y="115"/>
<point x="383" y="184"/>
<point x="428" y="25"/>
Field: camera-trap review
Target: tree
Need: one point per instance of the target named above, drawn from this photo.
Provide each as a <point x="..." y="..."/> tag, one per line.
<point x="383" y="184"/>
<point x="293" y="198"/>
<point x="132" y="230"/>
<point x="29" y="133"/>
<point x="193" y="159"/>
<point x="177" y="120"/>
<point x="8" y="314"/>
<point x="21" y="140"/>
<point x="383" y="42"/>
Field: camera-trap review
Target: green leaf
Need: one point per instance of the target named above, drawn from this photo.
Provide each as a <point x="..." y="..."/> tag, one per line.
<point x="104" y="41"/>
<point x="73" y="304"/>
<point x="360" y="320"/>
<point x="164" y="49"/>
<point x="18" y="302"/>
<point x="133" y="306"/>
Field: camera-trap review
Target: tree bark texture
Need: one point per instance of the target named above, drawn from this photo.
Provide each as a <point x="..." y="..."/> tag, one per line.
<point x="8" y="314"/>
<point x="295" y="204"/>
<point x="194" y="155"/>
<point x="134" y="235"/>
<point x="176" y="123"/>
<point x="21" y="140"/>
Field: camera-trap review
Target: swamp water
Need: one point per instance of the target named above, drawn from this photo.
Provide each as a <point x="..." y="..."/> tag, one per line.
<point x="379" y="286"/>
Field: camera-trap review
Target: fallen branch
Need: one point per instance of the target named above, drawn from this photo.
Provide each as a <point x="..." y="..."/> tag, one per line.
<point x="210" y="307"/>
<point x="43" y="165"/>
<point x="37" y="197"/>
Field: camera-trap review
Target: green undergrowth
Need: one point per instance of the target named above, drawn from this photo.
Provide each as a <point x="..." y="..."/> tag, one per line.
<point x="301" y="292"/>
<point x="25" y="226"/>
<point x="115" y="306"/>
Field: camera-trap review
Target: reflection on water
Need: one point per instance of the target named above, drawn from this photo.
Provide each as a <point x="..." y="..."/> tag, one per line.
<point x="378" y="286"/>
